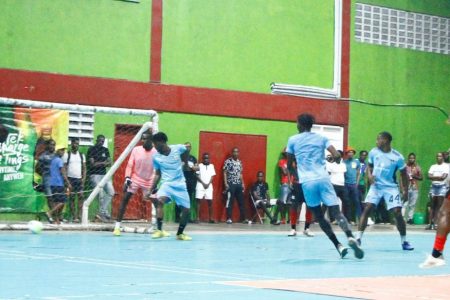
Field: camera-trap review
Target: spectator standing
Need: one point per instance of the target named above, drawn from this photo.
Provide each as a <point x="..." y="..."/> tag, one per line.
<point x="362" y="184"/>
<point x="99" y="159"/>
<point x="336" y="169"/>
<point x="190" y="168"/>
<point x="75" y="164"/>
<point x="234" y="185"/>
<point x="204" y="188"/>
<point x="414" y="176"/>
<point x="58" y="182"/>
<point x="351" y="184"/>
<point x="43" y="169"/>
<point x="438" y="174"/>
<point x="285" y="192"/>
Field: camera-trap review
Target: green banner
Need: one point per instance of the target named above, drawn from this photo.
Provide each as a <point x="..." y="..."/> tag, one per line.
<point x="23" y="132"/>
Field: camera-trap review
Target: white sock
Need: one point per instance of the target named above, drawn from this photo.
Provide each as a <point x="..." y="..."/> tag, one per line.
<point x="359" y="234"/>
<point x="117" y="225"/>
<point x="403" y="237"/>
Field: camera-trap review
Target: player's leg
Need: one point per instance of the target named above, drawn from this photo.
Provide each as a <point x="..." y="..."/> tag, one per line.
<point x="312" y="193"/>
<point x="401" y="227"/>
<point x="436" y="259"/>
<point x="159" y="207"/>
<point x="181" y="197"/>
<point x="308" y="214"/>
<point x="308" y="221"/>
<point x="394" y="205"/>
<point x="326" y="228"/>
<point x="372" y="199"/>
<point x="122" y="209"/>
<point x="329" y="198"/>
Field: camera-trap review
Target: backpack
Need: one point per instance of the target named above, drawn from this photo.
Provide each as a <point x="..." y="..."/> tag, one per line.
<point x="81" y="158"/>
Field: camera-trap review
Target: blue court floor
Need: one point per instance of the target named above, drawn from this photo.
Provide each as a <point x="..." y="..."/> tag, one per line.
<point x="97" y="265"/>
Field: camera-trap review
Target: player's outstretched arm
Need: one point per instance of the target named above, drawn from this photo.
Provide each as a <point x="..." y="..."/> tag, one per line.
<point x="335" y="153"/>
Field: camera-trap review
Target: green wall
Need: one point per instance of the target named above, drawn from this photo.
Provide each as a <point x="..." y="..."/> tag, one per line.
<point x="102" y="38"/>
<point x="388" y="75"/>
<point x="246" y="45"/>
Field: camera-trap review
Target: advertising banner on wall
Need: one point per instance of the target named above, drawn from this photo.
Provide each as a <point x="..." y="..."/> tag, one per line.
<point x="23" y="136"/>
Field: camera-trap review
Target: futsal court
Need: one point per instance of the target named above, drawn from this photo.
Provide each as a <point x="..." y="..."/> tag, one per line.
<point x="221" y="262"/>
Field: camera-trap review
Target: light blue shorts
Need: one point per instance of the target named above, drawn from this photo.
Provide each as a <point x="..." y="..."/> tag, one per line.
<point x="319" y="191"/>
<point x="175" y="191"/>
<point x="391" y="196"/>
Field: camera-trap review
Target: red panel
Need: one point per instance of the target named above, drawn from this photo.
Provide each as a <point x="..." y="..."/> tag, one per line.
<point x="253" y="155"/>
<point x="120" y="93"/>
<point x="345" y="62"/>
<point x="136" y="209"/>
<point x="156" y="41"/>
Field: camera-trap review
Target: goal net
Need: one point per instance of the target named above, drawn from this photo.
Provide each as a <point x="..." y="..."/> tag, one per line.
<point x="27" y="126"/>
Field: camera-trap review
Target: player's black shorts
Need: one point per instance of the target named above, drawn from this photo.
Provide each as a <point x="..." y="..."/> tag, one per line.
<point x="76" y="184"/>
<point x="299" y="197"/>
<point x="58" y="194"/>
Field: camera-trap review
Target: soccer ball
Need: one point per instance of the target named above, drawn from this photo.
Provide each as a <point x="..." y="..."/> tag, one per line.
<point x="35" y="226"/>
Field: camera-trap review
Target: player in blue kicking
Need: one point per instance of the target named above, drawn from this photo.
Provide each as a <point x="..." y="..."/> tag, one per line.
<point x="308" y="149"/>
<point x="383" y="163"/>
<point x="167" y="164"/>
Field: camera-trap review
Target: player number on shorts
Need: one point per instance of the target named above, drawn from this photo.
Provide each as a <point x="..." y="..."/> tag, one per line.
<point x="397" y="198"/>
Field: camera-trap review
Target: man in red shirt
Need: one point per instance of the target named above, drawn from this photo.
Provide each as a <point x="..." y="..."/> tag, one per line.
<point x="297" y="193"/>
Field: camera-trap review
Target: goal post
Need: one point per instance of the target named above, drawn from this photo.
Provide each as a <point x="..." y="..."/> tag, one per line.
<point x="25" y="128"/>
<point x="146" y="126"/>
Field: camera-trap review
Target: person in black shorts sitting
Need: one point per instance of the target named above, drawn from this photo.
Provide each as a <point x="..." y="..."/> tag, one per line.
<point x="261" y="196"/>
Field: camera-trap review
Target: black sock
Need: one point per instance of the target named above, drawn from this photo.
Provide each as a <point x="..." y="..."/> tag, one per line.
<point x="436" y="253"/>
<point x="307" y="224"/>
<point x="334" y="240"/>
<point x="159" y="223"/>
<point x="181" y="229"/>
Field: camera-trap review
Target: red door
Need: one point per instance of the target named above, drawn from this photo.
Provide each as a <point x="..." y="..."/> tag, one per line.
<point x="252" y="150"/>
<point x="136" y="209"/>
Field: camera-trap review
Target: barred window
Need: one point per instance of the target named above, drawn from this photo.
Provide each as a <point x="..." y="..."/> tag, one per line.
<point x="81" y="125"/>
<point x="402" y="29"/>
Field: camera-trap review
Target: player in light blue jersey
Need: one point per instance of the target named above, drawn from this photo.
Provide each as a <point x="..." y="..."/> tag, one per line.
<point x="383" y="164"/>
<point x="308" y="149"/>
<point x="167" y="165"/>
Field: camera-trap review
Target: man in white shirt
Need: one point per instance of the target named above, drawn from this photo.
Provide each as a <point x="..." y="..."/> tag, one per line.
<point x="337" y="169"/>
<point x="75" y="163"/>
<point x="438" y="175"/>
<point x="204" y="189"/>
